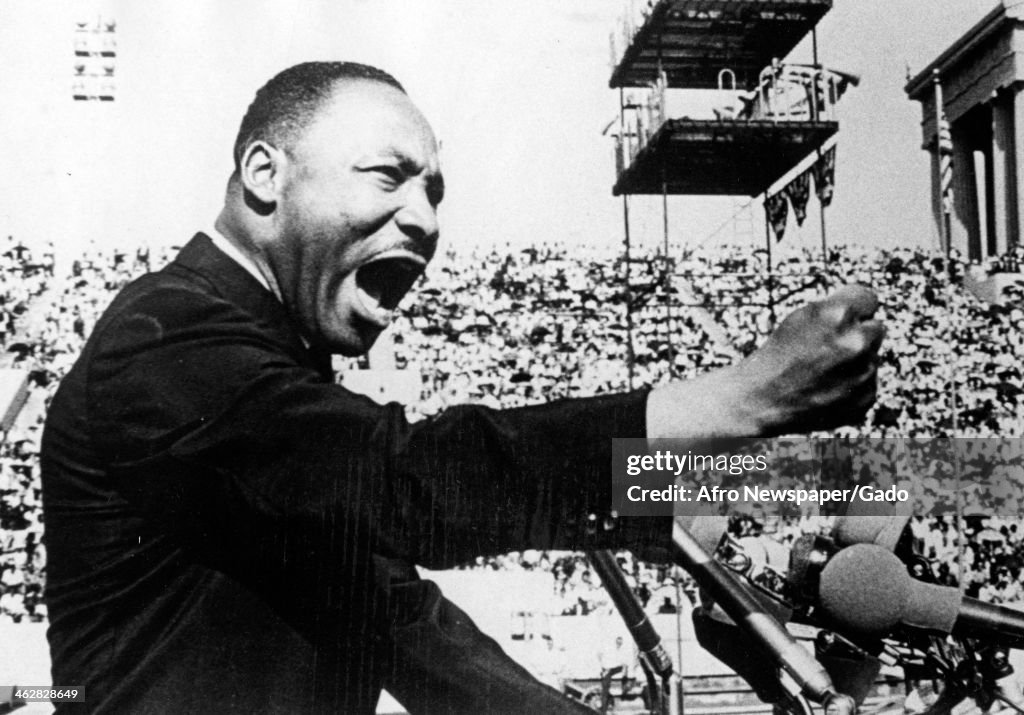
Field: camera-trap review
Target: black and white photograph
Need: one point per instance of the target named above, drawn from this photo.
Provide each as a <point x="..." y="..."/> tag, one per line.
<point x="444" y="357"/>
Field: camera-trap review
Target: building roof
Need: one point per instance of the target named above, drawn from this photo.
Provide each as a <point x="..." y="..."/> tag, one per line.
<point x="1007" y="11"/>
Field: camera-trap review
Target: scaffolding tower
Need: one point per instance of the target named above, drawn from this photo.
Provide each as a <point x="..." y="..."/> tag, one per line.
<point x="769" y="115"/>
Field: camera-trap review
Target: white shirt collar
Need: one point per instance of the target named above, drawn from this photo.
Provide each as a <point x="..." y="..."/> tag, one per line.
<point x="232" y="252"/>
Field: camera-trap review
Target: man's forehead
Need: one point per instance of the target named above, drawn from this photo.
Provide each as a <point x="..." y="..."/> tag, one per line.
<point x="377" y="111"/>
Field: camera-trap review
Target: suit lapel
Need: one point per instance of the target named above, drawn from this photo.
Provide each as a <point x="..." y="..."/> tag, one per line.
<point x="233" y="283"/>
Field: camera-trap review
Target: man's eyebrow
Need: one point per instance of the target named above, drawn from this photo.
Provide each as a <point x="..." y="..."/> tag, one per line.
<point x="411" y="167"/>
<point x="405" y="162"/>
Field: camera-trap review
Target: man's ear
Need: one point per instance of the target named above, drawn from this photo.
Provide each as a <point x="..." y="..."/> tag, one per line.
<point x="260" y="171"/>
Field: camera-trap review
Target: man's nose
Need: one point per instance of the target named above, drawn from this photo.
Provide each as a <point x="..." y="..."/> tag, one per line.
<point x="418" y="217"/>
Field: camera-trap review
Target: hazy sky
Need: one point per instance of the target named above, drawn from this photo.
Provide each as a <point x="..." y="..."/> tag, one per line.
<point x="518" y="93"/>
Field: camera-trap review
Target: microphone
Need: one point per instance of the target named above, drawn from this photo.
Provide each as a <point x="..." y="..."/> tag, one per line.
<point x="866" y="589"/>
<point x="884" y="531"/>
<point x="639" y="626"/>
<point x="745" y="610"/>
<point x="880" y="523"/>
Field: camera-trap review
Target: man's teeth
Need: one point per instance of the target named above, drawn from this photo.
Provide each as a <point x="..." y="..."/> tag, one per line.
<point x="372" y="306"/>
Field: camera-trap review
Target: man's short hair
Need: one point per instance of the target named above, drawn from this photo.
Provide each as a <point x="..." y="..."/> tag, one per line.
<point x="285" y="105"/>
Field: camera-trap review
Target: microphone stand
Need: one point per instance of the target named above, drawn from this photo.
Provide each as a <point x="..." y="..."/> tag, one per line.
<point x="998" y="674"/>
<point x="804" y="672"/>
<point x="803" y="676"/>
<point x="664" y="684"/>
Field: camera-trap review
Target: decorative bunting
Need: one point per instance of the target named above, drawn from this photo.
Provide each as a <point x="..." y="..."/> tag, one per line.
<point x="799" y="192"/>
<point x="825" y="176"/>
<point x="777" y="209"/>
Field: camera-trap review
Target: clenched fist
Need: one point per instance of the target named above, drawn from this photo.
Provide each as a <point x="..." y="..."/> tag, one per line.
<point x="816" y="371"/>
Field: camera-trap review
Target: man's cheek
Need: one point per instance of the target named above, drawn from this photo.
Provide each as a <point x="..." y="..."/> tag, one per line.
<point x="348" y="334"/>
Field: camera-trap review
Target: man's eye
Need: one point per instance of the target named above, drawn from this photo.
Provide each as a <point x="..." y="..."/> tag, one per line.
<point x="391" y="174"/>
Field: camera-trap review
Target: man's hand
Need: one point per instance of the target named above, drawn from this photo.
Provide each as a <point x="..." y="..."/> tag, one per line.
<point x="816" y="371"/>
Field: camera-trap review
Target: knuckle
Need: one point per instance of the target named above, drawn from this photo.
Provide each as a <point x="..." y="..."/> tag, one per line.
<point x="875" y="331"/>
<point x="829" y="313"/>
<point x="857" y="344"/>
<point x="843" y="314"/>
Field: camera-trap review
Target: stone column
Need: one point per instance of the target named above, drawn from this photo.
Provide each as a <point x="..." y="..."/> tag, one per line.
<point x="1003" y="200"/>
<point x="1018" y="159"/>
<point x="964" y="225"/>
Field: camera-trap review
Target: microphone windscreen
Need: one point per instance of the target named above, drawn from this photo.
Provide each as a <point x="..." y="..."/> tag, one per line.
<point x="931" y="606"/>
<point x="859" y="527"/>
<point x="864" y="588"/>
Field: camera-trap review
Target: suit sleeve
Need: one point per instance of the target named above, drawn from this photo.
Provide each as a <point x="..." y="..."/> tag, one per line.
<point x="216" y="434"/>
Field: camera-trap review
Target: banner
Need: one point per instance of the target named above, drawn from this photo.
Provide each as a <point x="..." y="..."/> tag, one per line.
<point x="825" y="176"/>
<point x="799" y="192"/>
<point x="777" y="209"/>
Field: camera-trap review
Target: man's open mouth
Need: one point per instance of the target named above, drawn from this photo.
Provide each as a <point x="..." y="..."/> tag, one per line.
<point x="383" y="282"/>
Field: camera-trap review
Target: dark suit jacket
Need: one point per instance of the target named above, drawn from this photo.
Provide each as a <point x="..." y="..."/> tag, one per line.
<point x="230" y="531"/>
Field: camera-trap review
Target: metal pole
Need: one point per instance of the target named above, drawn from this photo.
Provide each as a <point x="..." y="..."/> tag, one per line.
<point x="630" y="356"/>
<point x="814" y="102"/>
<point x="668" y="698"/>
<point x="814" y="86"/>
<point x="666" y="279"/>
<point x="824" y="241"/>
<point x="771" y="279"/>
<point x="666" y="274"/>
<point x="680" y="595"/>
<point x="939" y="114"/>
<point x="961" y="540"/>
<point x="951" y="367"/>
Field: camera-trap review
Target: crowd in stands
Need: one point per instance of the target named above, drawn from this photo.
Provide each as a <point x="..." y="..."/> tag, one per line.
<point x="53" y="315"/>
<point x="518" y="327"/>
<point x="942" y="345"/>
<point x="545" y="323"/>
<point x="25" y="275"/>
<point x="1009" y="262"/>
<point x="577" y="588"/>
